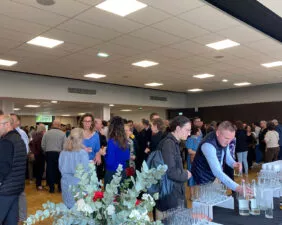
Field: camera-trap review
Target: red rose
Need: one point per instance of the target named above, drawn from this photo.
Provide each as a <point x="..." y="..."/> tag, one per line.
<point x="98" y="195"/>
<point x="137" y="202"/>
<point x="129" y="171"/>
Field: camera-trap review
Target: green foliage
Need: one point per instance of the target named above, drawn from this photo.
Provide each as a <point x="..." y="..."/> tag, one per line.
<point x="118" y="205"/>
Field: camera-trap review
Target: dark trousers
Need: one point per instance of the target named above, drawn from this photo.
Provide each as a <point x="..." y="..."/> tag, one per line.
<point x="9" y="210"/>
<point x="272" y="154"/>
<point x="101" y="169"/>
<point x="280" y="154"/>
<point x="53" y="175"/>
<point x="39" y="166"/>
<point x="251" y="156"/>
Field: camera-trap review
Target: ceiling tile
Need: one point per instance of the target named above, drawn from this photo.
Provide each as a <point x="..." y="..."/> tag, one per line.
<point x="15" y="35"/>
<point x="70" y="37"/>
<point x="68" y="8"/>
<point x="171" y="52"/>
<point x="210" y="18"/>
<point x="174" y="7"/>
<point x="108" y="20"/>
<point x="113" y="49"/>
<point x="21" y="26"/>
<point x="87" y="29"/>
<point x="156" y="36"/>
<point x="135" y="43"/>
<point x="148" y="16"/>
<point x="235" y="34"/>
<point x="191" y="47"/>
<point x="180" y="28"/>
<point x="19" y="11"/>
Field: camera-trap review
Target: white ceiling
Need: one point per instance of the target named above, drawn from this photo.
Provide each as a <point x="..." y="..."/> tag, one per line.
<point x="173" y="33"/>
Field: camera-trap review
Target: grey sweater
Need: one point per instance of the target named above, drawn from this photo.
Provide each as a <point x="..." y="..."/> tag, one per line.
<point x="53" y="140"/>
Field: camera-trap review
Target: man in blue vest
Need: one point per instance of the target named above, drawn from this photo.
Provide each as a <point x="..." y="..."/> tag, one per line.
<point x="12" y="170"/>
<point x="213" y="151"/>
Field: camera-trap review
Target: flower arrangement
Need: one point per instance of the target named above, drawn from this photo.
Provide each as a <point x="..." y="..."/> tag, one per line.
<point x="116" y="205"/>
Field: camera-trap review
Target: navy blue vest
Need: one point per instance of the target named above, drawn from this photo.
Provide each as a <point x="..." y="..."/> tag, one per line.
<point x="201" y="170"/>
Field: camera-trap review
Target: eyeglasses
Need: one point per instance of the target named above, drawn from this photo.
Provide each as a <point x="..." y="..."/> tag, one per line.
<point x="87" y="121"/>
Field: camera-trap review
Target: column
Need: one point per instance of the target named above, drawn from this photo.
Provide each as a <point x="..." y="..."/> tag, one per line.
<point x="7" y="106"/>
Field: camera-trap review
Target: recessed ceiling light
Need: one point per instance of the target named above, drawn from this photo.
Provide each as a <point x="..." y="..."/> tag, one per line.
<point x="55" y="102"/>
<point x="203" y="76"/>
<point x="145" y="63"/>
<point x="121" y="7"/>
<point x="140" y="108"/>
<point x="154" y="84"/>
<point x="195" y="90"/>
<point x="223" y="44"/>
<point x="242" y="84"/>
<point x="95" y="75"/>
<point x="32" y="106"/>
<point x="4" y="62"/>
<point x="103" y="55"/>
<point x="17" y="109"/>
<point x="66" y="115"/>
<point x="80" y="114"/>
<point x="45" y="42"/>
<point x="126" y="110"/>
<point x="272" y="64"/>
<point x="111" y="105"/>
<point x="224" y="80"/>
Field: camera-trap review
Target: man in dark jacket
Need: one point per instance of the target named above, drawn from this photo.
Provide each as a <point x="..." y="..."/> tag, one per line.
<point x="12" y="170"/>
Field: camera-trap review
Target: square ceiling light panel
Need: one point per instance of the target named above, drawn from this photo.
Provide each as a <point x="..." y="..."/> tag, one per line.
<point x="4" y="62"/>
<point x="145" y="63"/>
<point x="223" y="44"/>
<point x="45" y="42"/>
<point x="121" y="7"/>
<point x="203" y="76"/>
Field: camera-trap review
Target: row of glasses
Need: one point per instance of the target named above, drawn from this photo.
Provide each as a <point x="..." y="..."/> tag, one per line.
<point x="210" y="193"/>
<point x="184" y="216"/>
<point x="270" y="178"/>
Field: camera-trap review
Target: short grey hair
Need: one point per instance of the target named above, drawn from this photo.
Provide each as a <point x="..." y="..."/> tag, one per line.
<point x="227" y="125"/>
<point x="8" y="119"/>
<point x="40" y="128"/>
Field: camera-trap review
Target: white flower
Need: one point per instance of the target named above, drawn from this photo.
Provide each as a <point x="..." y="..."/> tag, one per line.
<point x="88" y="209"/>
<point x="76" y="195"/>
<point x="134" y="214"/>
<point x="110" y="210"/>
<point x="147" y="197"/>
<point x="80" y="204"/>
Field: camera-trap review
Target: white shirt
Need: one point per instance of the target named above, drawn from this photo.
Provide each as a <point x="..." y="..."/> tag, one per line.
<point x="24" y="137"/>
<point x="271" y="139"/>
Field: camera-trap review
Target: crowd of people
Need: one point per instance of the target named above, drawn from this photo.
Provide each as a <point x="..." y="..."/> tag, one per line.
<point x="195" y="153"/>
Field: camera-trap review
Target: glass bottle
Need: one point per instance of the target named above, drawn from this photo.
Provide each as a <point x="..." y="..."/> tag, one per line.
<point x="243" y="199"/>
<point x="255" y="210"/>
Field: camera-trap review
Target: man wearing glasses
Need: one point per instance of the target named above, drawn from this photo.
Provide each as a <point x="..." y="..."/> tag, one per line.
<point x="12" y="170"/>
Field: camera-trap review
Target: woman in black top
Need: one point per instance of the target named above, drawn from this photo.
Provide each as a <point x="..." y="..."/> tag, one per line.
<point x="251" y="142"/>
<point x="157" y="127"/>
<point x="242" y="146"/>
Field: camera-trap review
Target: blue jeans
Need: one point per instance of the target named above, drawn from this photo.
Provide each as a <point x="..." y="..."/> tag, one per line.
<point x="9" y="209"/>
<point x="243" y="158"/>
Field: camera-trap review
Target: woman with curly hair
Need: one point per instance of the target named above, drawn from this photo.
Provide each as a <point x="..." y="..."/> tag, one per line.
<point x="91" y="139"/>
<point x="117" y="150"/>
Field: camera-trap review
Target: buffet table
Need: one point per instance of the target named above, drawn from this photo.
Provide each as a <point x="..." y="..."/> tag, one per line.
<point x="230" y="217"/>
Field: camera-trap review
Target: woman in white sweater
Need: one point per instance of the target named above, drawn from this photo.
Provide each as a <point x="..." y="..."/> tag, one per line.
<point x="272" y="143"/>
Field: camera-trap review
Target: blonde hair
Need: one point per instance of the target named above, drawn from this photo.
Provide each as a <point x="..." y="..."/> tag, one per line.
<point x="74" y="141"/>
<point x="8" y="119"/>
<point x="40" y="128"/>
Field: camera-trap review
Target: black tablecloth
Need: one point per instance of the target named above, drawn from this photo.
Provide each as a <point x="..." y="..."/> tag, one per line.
<point x="231" y="217"/>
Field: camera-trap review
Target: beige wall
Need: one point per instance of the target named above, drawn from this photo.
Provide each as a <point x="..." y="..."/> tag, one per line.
<point x="30" y="120"/>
